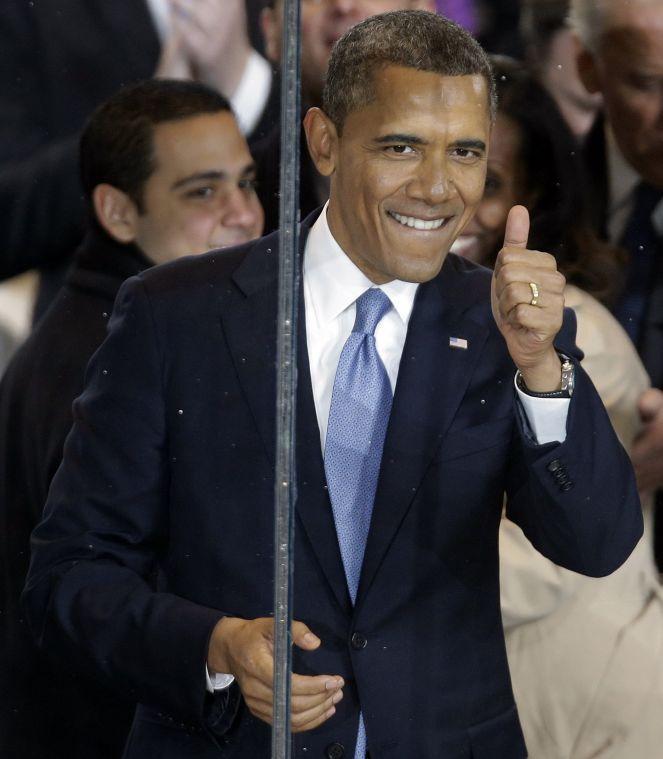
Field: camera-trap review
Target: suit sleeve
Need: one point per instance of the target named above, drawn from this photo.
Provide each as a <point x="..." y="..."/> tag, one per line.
<point x="577" y="502"/>
<point x="90" y="593"/>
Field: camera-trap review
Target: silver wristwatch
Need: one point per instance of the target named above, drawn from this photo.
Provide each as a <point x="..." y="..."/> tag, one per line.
<point x="567" y="383"/>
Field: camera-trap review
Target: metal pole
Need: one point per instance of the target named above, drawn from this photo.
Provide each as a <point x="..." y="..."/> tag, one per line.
<point x="285" y="493"/>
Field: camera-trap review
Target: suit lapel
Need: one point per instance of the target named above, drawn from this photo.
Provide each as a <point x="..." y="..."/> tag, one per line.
<point x="248" y="316"/>
<point x="313" y="504"/>
<point x="432" y="380"/>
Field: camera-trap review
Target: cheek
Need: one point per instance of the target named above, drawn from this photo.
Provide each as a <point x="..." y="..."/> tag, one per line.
<point x="492" y="214"/>
<point x="195" y="229"/>
<point x="470" y="183"/>
<point x="629" y="110"/>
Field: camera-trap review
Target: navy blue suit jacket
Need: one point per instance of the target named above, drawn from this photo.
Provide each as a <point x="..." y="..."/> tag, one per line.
<point x="159" y="520"/>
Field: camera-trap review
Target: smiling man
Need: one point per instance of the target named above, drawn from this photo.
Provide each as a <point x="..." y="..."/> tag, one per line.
<point x="410" y="431"/>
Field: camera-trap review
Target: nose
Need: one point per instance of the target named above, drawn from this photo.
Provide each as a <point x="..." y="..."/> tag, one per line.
<point x="241" y="210"/>
<point x="432" y="183"/>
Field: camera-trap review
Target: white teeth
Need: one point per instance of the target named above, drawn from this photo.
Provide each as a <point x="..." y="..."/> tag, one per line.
<point x="412" y="221"/>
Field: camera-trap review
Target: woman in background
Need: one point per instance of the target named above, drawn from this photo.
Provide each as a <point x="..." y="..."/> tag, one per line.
<point x="586" y="655"/>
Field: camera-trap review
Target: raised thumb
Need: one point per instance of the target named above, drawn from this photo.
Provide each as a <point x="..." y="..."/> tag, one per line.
<point x="517" y="228"/>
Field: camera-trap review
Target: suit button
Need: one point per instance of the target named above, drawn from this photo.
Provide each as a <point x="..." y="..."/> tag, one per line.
<point x="566" y="486"/>
<point x="335" y="751"/>
<point x="554" y="465"/>
<point x="358" y="641"/>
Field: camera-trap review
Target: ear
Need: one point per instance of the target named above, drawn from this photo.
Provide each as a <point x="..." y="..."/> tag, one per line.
<point x="270" y="25"/>
<point x="588" y="70"/>
<point x="116" y="212"/>
<point x="322" y="140"/>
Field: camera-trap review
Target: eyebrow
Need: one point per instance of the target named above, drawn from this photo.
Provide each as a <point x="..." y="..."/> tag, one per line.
<point x="412" y="139"/>
<point x="470" y="144"/>
<point x="210" y="176"/>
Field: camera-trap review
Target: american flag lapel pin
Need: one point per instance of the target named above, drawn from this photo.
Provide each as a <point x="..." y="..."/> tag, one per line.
<point x="458" y="342"/>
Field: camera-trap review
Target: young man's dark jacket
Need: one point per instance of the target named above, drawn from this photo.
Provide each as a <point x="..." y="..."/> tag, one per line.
<point x="46" y="709"/>
<point x="169" y="470"/>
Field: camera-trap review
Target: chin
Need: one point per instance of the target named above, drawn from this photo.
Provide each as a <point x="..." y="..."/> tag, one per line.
<point x="419" y="272"/>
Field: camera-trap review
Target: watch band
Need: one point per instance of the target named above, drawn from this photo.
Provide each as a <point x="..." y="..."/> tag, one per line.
<point x="567" y="381"/>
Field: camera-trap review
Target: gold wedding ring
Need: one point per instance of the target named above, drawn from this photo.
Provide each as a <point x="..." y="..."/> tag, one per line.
<point x="535" y="294"/>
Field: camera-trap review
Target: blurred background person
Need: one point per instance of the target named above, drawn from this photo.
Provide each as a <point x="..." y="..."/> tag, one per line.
<point x="165" y="173"/>
<point x="551" y="50"/>
<point x="58" y="60"/>
<point x="622" y="58"/>
<point x="586" y="655"/>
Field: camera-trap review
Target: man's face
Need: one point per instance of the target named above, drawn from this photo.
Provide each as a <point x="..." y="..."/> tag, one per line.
<point x="201" y="194"/>
<point x="323" y="22"/>
<point x="408" y="172"/>
<point x="628" y="70"/>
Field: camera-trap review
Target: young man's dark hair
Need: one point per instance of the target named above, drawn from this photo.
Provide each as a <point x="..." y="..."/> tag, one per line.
<point x="117" y="143"/>
<point x="413" y="39"/>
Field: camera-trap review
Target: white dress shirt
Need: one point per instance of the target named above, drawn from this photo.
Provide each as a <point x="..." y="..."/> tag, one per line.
<point x="249" y="99"/>
<point x="332" y="284"/>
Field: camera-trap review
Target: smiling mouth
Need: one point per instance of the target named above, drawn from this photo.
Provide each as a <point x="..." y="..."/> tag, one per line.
<point x="426" y="225"/>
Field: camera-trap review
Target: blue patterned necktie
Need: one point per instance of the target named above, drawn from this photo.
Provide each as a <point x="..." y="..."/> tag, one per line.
<point x="358" y="418"/>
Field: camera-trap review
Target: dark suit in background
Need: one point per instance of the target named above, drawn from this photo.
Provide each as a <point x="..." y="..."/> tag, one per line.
<point x="650" y="343"/>
<point x="46" y="708"/>
<point x="168" y="473"/>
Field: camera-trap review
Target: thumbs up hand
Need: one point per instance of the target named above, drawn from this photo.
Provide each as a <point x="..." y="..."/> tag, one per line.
<point x="527" y="298"/>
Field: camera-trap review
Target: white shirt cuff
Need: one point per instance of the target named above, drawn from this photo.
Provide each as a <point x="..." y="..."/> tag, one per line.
<point x="546" y="416"/>
<point x="217" y="681"/>
<point x="250" y="98"/>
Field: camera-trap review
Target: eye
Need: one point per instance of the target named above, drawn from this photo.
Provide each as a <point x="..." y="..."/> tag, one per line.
<point x="400" y="149"/>
<point x="467" y="155"/>
<point x="644" y="83"/>
<point x="248" y="185"/>
<point x="201" y="193"/>
<point x="493" y="185"/>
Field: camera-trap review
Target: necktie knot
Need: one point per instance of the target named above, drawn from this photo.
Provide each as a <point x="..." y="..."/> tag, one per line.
<point x="371" y="307"/>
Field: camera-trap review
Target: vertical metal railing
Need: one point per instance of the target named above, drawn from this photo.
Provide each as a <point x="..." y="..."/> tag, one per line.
<point x="285" y="492"/>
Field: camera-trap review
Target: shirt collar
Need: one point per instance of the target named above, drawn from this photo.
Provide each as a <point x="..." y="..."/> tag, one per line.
<point x="335" y="282"/>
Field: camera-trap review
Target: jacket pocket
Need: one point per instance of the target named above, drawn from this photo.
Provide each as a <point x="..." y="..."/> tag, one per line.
<point x="500" y="737"/>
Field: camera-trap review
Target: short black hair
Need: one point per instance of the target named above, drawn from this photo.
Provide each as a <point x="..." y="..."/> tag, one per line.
<point x="415" y="39"/>
<point x="117" y="145"/>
